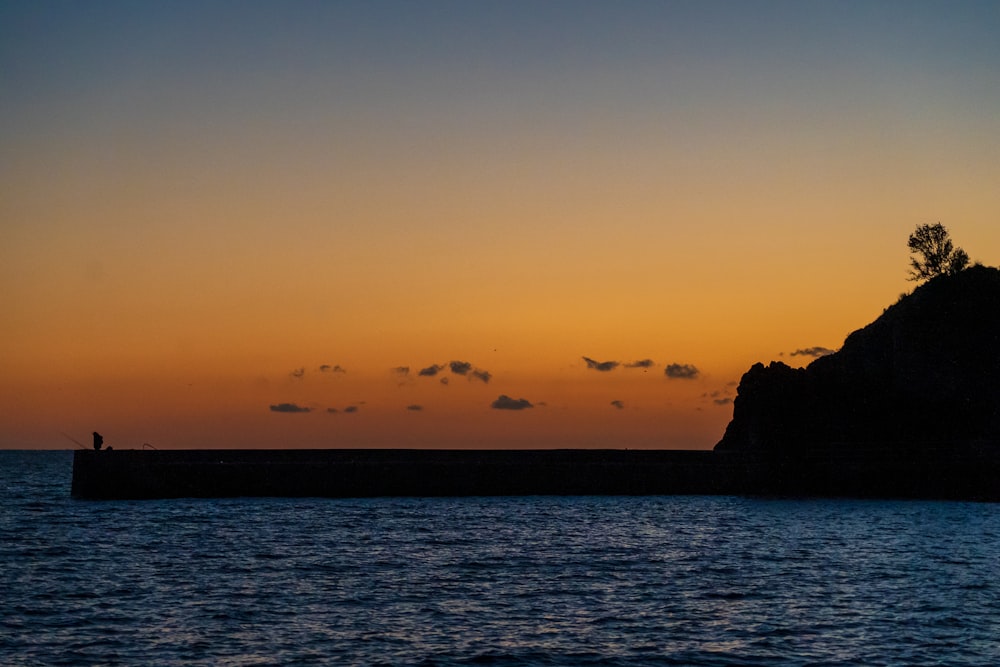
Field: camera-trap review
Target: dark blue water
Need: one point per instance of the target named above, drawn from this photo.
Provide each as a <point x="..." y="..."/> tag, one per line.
<point x="490" y="581"/>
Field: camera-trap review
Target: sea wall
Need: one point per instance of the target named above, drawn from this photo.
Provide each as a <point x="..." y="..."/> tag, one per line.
<point x="967" y="473"/>
<point x="379" y="472"/>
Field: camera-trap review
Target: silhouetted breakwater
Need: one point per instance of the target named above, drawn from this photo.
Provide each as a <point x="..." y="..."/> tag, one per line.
<point x="394" y="472"/>
<point x="343" y="473"/>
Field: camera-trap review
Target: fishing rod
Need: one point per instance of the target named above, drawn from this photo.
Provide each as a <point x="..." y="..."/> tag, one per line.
<point x="80" y="444"/>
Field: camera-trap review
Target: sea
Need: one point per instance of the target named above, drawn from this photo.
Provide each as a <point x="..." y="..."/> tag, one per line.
<point x="622" y="581"/>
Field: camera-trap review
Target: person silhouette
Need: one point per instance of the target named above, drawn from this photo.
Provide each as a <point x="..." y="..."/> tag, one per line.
<point x="98" y="441"/>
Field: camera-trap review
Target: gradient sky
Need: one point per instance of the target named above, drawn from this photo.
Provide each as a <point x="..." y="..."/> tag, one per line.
<point x="202" y="204"/>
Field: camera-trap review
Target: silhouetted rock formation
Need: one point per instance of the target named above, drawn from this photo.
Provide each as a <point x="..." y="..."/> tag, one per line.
<point x="909" y="399"/>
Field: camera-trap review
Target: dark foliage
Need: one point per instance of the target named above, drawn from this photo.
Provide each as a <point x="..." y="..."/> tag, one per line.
<point x="937" y="254"/>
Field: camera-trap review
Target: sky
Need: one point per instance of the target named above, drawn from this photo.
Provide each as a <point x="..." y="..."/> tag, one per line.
<point x="464" y="224"/>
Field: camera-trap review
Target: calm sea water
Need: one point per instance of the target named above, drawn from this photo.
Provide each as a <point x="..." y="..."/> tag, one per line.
<point x="490" y="581"/>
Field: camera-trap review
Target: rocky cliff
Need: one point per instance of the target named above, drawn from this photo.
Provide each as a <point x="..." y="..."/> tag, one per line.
<point x="923" y="380"/>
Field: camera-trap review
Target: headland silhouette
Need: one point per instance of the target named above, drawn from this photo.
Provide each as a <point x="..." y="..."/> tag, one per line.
<point x="910" y="405"/>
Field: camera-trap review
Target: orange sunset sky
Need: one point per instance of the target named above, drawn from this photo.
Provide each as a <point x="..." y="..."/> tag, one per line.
<point x="234" y="224"/>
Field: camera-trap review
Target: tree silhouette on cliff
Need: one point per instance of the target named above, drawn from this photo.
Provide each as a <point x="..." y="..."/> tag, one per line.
<point x="938" y="256"/>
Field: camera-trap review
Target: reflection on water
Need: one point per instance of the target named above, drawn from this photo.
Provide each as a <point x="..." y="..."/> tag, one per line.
<point x="503" y="581"/>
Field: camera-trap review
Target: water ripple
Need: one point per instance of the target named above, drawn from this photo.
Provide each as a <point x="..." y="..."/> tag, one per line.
<point x="490" y="581"/>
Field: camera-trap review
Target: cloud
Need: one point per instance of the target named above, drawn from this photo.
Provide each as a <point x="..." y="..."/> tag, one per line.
<point x="642" y="363"/>
<point x="603" y="366"/>
<point x="402" y="374"/>
<point x="681" y="371"/>
<point x="719" y="396"/>
<point x="460" y="367"/>
<point x="618" y="404"/>
<point x="505" y="402"/>
<point x="813" y="352"/>
<point x="466" y="369"/>
<point x="463" y="368"/>
<point x="298" y="372"/>
<point x="327" y="368"/>
<point x="289" y="407"/>
<point x="414" y="408"/>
